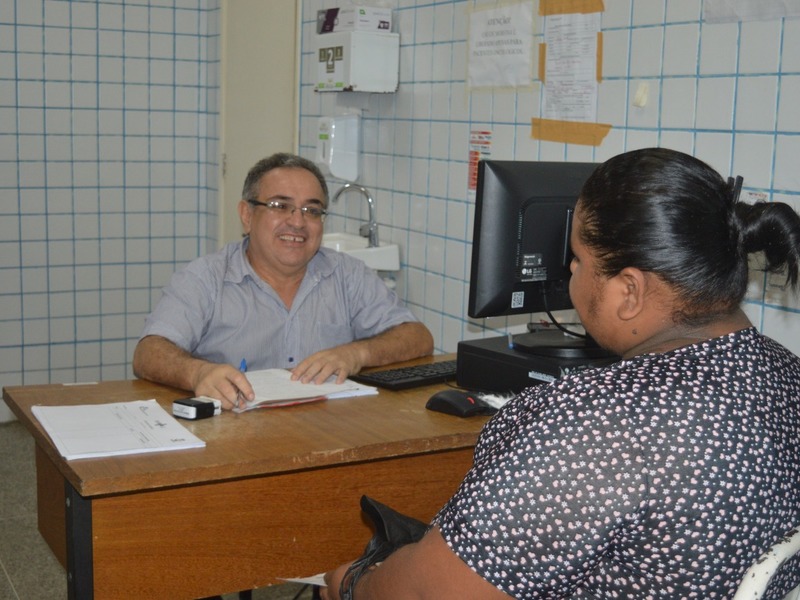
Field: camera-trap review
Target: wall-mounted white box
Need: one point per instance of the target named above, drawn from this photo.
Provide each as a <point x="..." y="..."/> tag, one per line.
<point x="358" y="61"/>
<point x="354" y="18"/>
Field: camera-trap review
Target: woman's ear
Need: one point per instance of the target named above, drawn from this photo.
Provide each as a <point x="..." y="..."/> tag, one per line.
<point x="245" y="214"/>
<point x="632" y="287"/>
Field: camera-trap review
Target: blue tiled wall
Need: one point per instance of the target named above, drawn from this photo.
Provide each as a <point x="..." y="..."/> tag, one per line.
<point x="108" y="142"/>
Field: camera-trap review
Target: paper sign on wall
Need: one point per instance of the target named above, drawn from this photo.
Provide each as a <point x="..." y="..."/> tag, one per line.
<point x="570" y="65"/>
<point x="570" y="91"/>
<point x="725" y="11"/>
<point x="500" y="46"/>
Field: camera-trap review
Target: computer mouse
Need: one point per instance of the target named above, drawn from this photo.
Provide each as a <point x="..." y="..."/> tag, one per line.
<point x="459" y="403"/>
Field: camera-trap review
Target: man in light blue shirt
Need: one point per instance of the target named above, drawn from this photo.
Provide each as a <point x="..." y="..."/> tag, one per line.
<point x="275" y="299"/>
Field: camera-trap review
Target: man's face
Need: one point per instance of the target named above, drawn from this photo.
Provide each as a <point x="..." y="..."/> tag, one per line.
<point x="283" y="243"/>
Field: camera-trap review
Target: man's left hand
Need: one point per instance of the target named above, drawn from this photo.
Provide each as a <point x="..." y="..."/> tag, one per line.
<point x="341" y="361"/>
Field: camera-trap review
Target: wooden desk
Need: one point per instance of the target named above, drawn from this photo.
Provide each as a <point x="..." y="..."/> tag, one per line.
<point x="275" y="493"/>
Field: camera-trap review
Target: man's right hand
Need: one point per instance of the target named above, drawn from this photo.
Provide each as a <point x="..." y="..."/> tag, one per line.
<point x="158" y="359"/>
<point x="223" y="382"/>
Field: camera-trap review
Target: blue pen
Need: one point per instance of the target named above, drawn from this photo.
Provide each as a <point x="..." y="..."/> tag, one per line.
<point x="239" y="397"/>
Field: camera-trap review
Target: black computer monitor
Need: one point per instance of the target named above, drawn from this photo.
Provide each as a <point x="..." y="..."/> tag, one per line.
<point x="520" y="248"/>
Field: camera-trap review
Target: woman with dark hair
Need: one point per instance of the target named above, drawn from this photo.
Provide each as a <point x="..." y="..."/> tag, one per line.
<point x="665" y="475"/>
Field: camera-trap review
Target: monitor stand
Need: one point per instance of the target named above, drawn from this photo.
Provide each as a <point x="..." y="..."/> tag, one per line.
<point x="557" y="344"/>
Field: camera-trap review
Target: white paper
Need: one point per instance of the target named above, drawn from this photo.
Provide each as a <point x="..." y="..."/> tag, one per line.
<point x="725" y="11"/>
<point x="275" y="387"/>
<point x="318" y="580"/>
<point x="500" y="46"/>
<point x="570" y="90"/>
<point x="94" y="430"/>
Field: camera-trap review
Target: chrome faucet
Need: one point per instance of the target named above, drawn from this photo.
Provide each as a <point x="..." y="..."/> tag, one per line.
<point x="369" y="230"/>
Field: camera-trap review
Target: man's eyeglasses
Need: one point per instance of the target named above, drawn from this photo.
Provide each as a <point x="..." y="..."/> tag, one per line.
<point x="312" y="213"/>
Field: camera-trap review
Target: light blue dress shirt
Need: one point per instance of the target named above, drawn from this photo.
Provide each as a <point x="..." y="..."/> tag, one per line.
<point x="218" y="309"/>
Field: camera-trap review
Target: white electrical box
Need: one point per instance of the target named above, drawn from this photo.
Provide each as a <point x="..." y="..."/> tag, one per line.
<point x="358" y="61"/>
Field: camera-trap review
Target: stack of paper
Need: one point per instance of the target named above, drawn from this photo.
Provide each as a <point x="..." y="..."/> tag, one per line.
<point x="274" y="387"/>
<point x="95" y="430"/>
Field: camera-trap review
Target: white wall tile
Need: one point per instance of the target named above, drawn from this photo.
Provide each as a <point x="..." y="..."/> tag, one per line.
<point x="423" y="63"/>
<point x="439" y="141"/>
<point x="442" y="62"/>
<point x="481" y="107"/>
<point x="683" y="141"/>
<point x="683" y="11"/>
<point x="423" y="25"/>
<point x="636" y="139"/>
<point x="421" y="103"/>
<point x="752" y="158"/>
<point x="645" y="59"/>
<point x="787" y="175"/>
<point x="681" y="49"/>
<point x="756" y="99"/>
<point x="460" y="102"/>
<point x="504" y="106"/>
<point x="788" y="113"/>
<point x="420" y="174"/>
<point x="679" y="98"/>
<point x="648" y="12"/>
<point x="433" y="300"/>
<point x="458" y="72"/>
<point x="715" y="98"/>
<point x="504" y="142"/>
<point x="716" y="149"/>
<point x="719" y="50"/>
<point x="527" y="146"/>
<point x="437" y="184"/>
<point x="615" y="53"/>
<point x="616" y="14"/>
<point x="790" y="56"/>
<point x="420" y="138"/>
<point x="459" y="141"/>
<point x="441" y="102"/>
<point x="759" y="51"/>
<point x="443" y="20"/>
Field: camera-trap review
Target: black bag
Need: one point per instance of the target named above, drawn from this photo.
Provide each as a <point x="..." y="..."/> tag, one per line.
<point x="392" y="531"/>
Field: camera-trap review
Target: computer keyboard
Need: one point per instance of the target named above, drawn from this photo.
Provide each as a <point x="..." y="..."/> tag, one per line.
<point x="402" y="378"/>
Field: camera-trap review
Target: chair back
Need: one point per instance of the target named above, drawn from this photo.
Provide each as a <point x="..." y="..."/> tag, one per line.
<point x="757" y="578"/>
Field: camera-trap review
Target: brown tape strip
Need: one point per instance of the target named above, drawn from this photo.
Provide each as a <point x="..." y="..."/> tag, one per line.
<point x="542" y="60"/>
<point x="599" y="56"/>
<point x="560" y="7"/>
<point x="569" y="132"/>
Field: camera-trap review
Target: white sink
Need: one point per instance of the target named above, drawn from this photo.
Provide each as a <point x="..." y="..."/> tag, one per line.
<point x="386" y="257"/>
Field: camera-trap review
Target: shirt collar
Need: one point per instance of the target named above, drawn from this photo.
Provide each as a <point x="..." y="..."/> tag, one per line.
<point x="320" y="266"/>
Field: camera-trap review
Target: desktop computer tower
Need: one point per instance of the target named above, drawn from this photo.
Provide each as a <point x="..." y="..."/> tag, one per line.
<point x="489" y="365"/>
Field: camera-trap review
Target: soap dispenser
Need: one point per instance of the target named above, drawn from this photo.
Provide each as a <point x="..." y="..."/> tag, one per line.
<point x="339" y="146"/>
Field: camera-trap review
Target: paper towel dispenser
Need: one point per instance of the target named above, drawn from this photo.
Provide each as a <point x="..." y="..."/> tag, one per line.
<point x="358" y="61"/>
